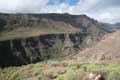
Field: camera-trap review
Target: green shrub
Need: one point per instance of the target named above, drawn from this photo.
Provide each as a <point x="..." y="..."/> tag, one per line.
<point x="70" y="75"/>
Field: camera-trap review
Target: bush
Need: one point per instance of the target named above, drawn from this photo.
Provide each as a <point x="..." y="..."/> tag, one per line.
<point x="70" y="75"/>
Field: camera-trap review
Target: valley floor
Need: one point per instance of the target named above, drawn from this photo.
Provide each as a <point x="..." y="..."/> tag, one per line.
<point x="61" y="70"/>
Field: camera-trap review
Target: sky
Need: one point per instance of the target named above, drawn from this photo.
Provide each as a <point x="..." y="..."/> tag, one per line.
<point x="102" y="10"/>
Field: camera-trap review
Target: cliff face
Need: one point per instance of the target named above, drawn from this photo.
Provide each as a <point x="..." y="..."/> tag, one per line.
<point x="34" y="49"/>
<point x="29" y="38"/>
<point x="30" y="50"/>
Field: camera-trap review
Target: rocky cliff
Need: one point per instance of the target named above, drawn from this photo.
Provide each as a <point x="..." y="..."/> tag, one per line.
<point x="30" y="50"/>
<point x="29" y="38"/>
<point x="23" y="51"/>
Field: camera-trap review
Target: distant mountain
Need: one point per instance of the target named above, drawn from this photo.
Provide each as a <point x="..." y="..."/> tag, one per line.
<point x="117" y="25"/>
<point x="110" y="27"/>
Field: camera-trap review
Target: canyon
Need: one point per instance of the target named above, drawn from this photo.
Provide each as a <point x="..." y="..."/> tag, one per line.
<point x="30" y="38"/>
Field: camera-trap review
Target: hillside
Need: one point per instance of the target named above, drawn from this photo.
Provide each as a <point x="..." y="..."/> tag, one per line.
<point x="30" y="38"/>
<point x="14" y="26"/>
<point x="107" y="50"/>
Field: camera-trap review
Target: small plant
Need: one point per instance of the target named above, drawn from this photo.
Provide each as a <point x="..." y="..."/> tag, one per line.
<point x="60" y="70"/>
<point x="70" y="75"/>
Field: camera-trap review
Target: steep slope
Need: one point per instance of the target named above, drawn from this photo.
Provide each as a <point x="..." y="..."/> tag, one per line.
<point x="14" y="26"/>
<point x="23" y="51"/>
<point x="30" y="38"/>
<point x="106" y="50"/>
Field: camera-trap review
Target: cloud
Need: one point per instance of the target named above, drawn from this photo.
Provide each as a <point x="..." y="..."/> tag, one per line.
<point x="104" y="11"/>
<point x="22" y="6"/>
<point x="6" y="5"/>
<point x="81" y="7"/>
<point x="109" y="15"/>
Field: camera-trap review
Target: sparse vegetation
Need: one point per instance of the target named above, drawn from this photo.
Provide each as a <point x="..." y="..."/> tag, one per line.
<point x="60" y="70"/>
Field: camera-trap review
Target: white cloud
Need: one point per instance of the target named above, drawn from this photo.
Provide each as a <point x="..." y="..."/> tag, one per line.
<point x="81" y="7"/>
<point x="31" y="6"/>
<point x="62" y="8"/>
<point x="109" y="15"/>
<point x="84" y="5"/>
<point x="7" y="5"/>
<point x="105" y="11"/>
<point x="22" y="6"/>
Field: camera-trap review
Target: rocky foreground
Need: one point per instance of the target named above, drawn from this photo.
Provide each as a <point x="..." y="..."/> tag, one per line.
<point x="62" y="70"/>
